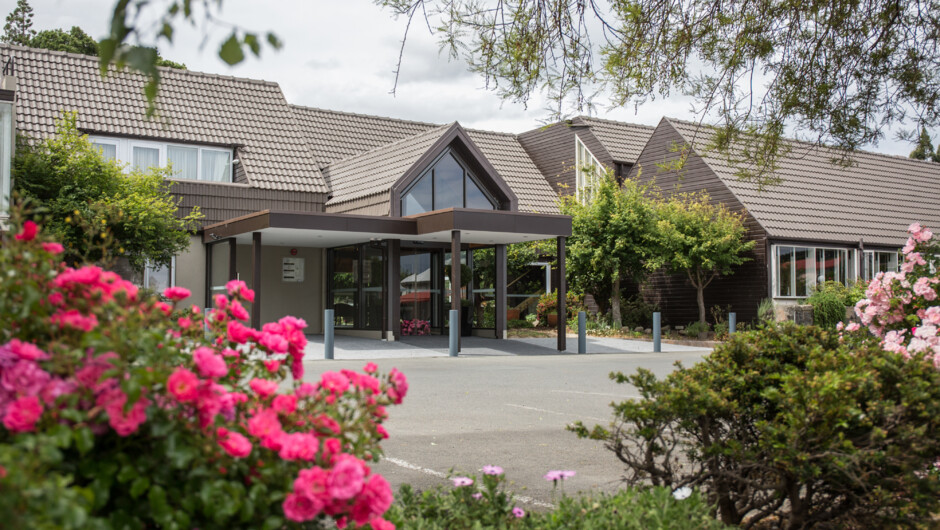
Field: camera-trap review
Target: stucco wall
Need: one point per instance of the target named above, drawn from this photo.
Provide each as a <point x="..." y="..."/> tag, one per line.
<point x="279" y="298"/>
<point x="191" y="272"/>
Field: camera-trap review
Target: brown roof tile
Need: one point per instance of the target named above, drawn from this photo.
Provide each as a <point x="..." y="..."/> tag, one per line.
<point x="875" y="199"/>
<point x="623" y="141"/>
<point x="193" y="107"/>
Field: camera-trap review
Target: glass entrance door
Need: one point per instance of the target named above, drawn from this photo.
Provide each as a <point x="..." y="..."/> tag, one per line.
<point x="420" y="291"/>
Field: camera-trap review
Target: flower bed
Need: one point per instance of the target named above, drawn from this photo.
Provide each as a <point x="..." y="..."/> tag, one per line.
<point x="116" y="413"/>
<point x="415" y="327"/>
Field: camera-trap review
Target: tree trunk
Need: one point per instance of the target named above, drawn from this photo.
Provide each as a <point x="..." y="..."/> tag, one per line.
<point x="615" y="304"/>
<point x="700" y="296"/>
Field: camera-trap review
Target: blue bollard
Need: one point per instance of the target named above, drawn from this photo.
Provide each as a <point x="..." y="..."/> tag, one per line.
<point x="732" y="322"/>
<point x="657" y="332"/>
<point x="328" y="333"/>
<point x="454" y="331"/>
<point x="582" y="332"/>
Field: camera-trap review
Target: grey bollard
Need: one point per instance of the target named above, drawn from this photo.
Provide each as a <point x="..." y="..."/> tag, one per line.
<point x="582" y="332"/>
<point x="454" y="331"/>
<point x="328" y="333"/>
<point x="732" y="322"/>
<point x="657" y="332"/>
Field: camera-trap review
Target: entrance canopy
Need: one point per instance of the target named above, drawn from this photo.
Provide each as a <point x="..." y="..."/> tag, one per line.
<point x="483" y="227"/>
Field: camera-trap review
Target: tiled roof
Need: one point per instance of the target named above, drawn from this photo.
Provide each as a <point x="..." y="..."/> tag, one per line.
<point x="512" y="163"/>
<point x="372" y="173"/>
<point x="334" y="135"/>
<point x="875" y="199"/>
<point x="337" y="136"/>
<point x="623" y="141"/>
<point x="194" y="107"/>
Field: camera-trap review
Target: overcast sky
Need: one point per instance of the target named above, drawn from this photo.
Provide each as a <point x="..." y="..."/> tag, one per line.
<point x="341" y="55"/>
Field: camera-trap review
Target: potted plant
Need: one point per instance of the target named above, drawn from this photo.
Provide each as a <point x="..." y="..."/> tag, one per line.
<point x="552" y="319"/>
<point x="512" y="314"/>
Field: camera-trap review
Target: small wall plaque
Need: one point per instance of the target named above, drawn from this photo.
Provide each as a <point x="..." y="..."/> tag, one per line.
<point x="292" y="269"/>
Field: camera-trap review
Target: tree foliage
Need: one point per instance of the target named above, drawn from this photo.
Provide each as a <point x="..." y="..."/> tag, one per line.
<point x="19" y="25"/>
<point x="86" y="198"/>
<point x="924" y="149"/>
<point x="133" y="41"/>
<point x="836" y="72"/>
<point x="699" y="239"/>
<point x="611" y="237"/>
<point x="75" y="41"/>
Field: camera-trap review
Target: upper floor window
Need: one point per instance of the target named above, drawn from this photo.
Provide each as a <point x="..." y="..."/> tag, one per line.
<point x="588" y="171"/>
<point x="447" y="184"/>
<point x="191" y="162"/>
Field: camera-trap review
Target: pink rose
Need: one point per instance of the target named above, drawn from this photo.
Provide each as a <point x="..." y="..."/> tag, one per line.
<point x="335" y="382"/>
<point x="346" y="477"/>
<point x="28" y="233"/>
<point x="239" y="311"/>
<point x="24" y="377"/>
<point x="183" y="385"/>
<point x="263" y="387"/>
<point x="301" y="508"/>
<point x="264" y="424"/>
<point x="285" y="403"/>
<point x="53" y="248"/>
<point x="210" y="364"/>
<point x="23" y="414"/>
<point x="373" y="501"/>
<point x="176" y="293"/>
<point x="399" y="386"/>
<point x="26" y="350"/>
<point x="234" y="443"/>
<point x="299" y="446"/>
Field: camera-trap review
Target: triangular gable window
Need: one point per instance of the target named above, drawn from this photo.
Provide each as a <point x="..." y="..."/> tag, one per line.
<point x="446" y="184"/>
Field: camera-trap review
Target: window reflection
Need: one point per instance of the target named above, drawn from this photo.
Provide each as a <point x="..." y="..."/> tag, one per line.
<point x="447" y="184"/>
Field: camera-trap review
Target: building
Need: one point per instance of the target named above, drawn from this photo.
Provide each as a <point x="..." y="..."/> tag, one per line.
<point x="320" y="209"/>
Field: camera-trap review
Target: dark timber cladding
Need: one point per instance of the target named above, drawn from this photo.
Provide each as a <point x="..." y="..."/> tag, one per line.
<point x="562" y="296"/>
<point x="553" y="151"/>
<point x="748" y="285"/>
<point x="219" y="202"/>
<point x="256" y="279"/>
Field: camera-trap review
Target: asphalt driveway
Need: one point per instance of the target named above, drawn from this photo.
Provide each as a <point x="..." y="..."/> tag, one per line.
<point x="508" y="410"/>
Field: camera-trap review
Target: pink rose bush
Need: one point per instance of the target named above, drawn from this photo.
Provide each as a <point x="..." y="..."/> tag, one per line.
<point x="162" y="415"/>
<point x="901" y="308"/>
<point x="415" y="327"/>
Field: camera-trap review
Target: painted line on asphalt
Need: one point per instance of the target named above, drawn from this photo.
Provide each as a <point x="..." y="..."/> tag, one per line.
<point x="536" y="409"/>
<point x="597" y="394"/>
<point x="408" y="465"/>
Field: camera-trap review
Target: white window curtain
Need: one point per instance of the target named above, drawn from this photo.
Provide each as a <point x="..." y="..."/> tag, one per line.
<point x="6" y="156"/>
<point x="216" y="166"/>
<point x="108" y="151"/>
<point x="185" y="161"/>
<point x="146" y="157"/>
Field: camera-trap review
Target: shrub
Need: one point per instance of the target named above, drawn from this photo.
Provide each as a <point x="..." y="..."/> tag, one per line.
<point x="631" y="509"/>
<point x="487" y="505"/>
<point x="131" y="419"/>
<point x="697" y="328"/>
<point x="828" y="307"/>
<point x="468" y="503"/>
<point x="548" y="304"/>
<point x="637" y="312"/>
<point x="765" y="310"/>
<point x="788" y="425"/>
<point x="516" y="324"/>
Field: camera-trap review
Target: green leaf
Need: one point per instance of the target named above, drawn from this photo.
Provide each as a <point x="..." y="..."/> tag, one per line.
<point x="251" y="40"/>
<point x="231" y="50"/>
<point x="84" y="439"/>
<point x="139" y="486"/>
<point x="127" y="473"/>
<point x="274" y="41"/>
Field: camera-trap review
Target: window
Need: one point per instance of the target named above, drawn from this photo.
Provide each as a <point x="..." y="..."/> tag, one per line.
<point x="159" y="278"/>
<point x="357" y="283"/>
<point x="798" y="270"/>
<point x="189" y="162"/>
<point x="447" y="184"/>
<point x="588" y="171"/>
<point x="877" y="261"/>
<point x="6" y="156"/>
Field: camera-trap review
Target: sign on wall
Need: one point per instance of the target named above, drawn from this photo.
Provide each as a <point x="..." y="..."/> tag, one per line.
<point x="292" y="269"/>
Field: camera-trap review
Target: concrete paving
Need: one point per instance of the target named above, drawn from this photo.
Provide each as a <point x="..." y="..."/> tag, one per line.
<point x="501" y="404"/>
<point x="350" y="348"/>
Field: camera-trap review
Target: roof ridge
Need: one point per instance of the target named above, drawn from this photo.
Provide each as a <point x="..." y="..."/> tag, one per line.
<point x="809" y="144"/>
<point x="81" y="56"/>
<point x="618" y="122"/>
<point x="359" y="115"/>
<point x="386" y="146"/>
